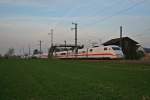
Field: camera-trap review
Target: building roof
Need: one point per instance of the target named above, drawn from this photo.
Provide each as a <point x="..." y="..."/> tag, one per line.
<point x="117" y="40"/>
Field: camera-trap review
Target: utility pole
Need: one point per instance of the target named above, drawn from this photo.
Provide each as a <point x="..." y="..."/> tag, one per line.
<point x="40" y="47"/>
<point x="121" y="36"/>
<point x="100" y="42"/>
<point x="29" y="50"/>
<point x="76" y="51"/>
<point x="50" y="53"/>
<point x="23" y="51"/>
<point x="20" y="52"/>
<point x="65" y="44"/>
<point x="51" y="33"/>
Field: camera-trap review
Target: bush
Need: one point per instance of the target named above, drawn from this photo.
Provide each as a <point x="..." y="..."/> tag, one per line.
<point x="0" y="56"/>
<point x="140" y="54"/>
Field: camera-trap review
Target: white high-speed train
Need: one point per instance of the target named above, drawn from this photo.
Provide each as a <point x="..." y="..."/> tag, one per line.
<point x="101" y="52"/>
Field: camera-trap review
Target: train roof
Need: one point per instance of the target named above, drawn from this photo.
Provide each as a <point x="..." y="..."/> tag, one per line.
<point x="111" y="46"/>
<point x="102" y="46"/>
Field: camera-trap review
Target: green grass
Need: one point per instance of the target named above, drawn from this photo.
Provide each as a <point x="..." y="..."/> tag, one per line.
<point x="72" y="80"/>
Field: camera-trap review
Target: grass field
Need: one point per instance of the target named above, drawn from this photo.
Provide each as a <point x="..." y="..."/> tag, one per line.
<point x="73" y="80"/>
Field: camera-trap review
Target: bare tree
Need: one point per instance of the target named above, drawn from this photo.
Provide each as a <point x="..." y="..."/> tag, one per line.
<point x="36" y="51"/>
<point x="10" y="52"/>
<point x="0" y="56"/>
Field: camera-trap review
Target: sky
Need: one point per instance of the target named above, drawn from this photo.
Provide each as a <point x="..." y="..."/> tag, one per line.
<point x="24" y="22"/>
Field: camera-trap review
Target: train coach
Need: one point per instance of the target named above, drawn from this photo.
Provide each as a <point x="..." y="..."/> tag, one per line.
<point x="98" y="52"/>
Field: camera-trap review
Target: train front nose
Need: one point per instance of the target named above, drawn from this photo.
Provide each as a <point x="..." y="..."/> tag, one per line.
<point x="119" y="55"/>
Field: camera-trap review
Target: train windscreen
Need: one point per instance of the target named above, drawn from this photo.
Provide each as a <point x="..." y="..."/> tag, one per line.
<point x="115" y="48"/>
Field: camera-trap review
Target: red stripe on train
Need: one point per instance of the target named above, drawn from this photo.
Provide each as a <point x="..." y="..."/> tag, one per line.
<point x="96" y="54"/>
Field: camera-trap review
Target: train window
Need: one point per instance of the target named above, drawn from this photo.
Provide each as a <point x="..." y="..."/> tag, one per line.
<point x="83" y="51"/>
<point x="63" y="54"/>
<point x="91" y="50"/>
<point x="105" y="49"/>
<point x="96" y="46"/>
<point x="115" y="48"/>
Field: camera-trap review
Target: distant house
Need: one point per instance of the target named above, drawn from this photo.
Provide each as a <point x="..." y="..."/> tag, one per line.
<point x="129" y="46"/>
<point x="147" y="53"/>
<point x="147" y="50"/>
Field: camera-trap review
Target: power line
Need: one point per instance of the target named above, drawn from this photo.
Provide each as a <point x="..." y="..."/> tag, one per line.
<point x="140" y="34"/>
<point x="109" y="7"/>
<point x="76" y="8"/>
<point x="86" y="5"/>
<point x="119" y="12"/>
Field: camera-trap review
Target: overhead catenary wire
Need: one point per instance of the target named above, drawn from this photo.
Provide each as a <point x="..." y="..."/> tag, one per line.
<point x="70" y="11"/>
<point x="115" y="14"/>
<point x="140" y="34"/>
<point x="108" y="7"/>
<point x="118" y="13"/>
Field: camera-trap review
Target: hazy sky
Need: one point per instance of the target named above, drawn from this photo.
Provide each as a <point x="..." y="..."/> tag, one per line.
<point x="25" y="22"/>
